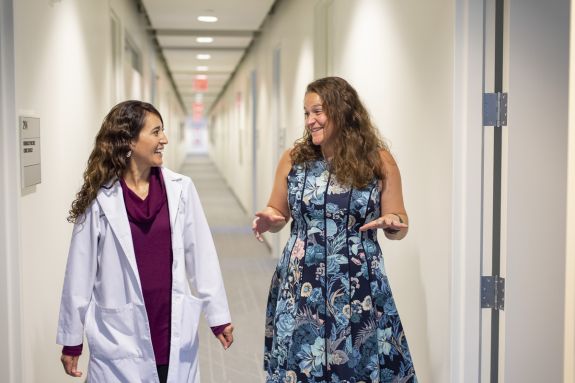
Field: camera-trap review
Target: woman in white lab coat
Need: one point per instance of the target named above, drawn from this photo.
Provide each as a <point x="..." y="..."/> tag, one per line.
<point x="142" y="265"/>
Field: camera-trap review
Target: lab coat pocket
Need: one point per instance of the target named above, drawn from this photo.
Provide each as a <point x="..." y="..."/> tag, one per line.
<point x="192" y="307"/>
<point x="116" y="333"/>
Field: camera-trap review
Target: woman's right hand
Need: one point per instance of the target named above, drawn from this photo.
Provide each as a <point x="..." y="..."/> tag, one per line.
<point x="70" y="364"/>
<point x="266" y="220"/>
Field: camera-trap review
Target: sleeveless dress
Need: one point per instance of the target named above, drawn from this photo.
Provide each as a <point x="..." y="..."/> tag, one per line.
<point x="330" y="315"/>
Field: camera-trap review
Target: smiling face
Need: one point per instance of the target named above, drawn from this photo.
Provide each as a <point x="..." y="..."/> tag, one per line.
<point x="316" y="121"/>
<point x="147" y="150"/>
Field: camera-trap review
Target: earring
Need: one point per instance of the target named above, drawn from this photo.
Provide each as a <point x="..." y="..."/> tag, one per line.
<point x="129" y="154"/>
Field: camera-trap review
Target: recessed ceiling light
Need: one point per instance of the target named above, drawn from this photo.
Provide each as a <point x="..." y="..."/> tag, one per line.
<point x="203" y="56"/>
<point x="204" y="40"/>
<point x="202" y="68"/>
<point x="208" y="19"/>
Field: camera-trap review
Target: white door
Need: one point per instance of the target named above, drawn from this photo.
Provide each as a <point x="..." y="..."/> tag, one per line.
<point x="538" y="74"/>
<point x="528" y="344"/>
<point x="524" y="236"/>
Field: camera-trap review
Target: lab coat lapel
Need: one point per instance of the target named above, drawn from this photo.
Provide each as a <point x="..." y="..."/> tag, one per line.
<point x="173" y="185"/>
<point x="111" y="200"/>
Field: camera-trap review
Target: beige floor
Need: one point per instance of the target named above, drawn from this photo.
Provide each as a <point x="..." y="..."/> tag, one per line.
<point x="247" y="267"/>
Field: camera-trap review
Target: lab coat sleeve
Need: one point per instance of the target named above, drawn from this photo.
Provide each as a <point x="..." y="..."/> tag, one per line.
<point x="202" y="264"/>
<point x="79" y="278"/>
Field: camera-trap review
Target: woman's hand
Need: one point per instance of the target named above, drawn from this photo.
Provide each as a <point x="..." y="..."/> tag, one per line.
<point x="226" y="338"/>
<point x="70" y="364"/>
<point x="390" y="223"/>
<point x="266" y="220"/>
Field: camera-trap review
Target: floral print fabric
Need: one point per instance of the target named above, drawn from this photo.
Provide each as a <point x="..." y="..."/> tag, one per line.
<point x="330" y="313"/>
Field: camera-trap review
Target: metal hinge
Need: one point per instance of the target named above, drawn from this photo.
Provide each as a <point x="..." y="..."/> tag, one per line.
<point x="492" y="292"/>
<point x="495" y="109"/>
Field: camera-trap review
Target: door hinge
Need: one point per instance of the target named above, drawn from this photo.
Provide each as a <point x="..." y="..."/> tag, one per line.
<point x="492" y="292"/>
<point x="495" y="109"/>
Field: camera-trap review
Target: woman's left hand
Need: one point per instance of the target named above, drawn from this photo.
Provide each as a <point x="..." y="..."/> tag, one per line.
<point x="388" y="221"/>
<point x="226" y="338"/>
<point x="70" y="364"/>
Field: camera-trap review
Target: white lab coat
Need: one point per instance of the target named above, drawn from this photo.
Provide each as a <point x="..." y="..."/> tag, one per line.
<point x="102" y="295"/>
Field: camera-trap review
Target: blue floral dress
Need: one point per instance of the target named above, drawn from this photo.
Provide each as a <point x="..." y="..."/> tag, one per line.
<point x="330" y="315"/>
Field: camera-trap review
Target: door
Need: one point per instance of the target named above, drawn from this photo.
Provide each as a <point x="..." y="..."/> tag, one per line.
<point x="504" y="177"/>
<point x="525" y="171"/>
<point x="538" y="74"/>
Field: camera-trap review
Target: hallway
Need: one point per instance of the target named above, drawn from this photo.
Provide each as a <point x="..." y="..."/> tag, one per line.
<point x="490" y="196"/>
<point x="247" y="268"/>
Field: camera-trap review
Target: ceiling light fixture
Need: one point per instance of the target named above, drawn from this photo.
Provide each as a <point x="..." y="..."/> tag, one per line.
<point x="202" y="68"/>
<point x="207" y="19"/>
<point x="204" y="40"/>
<point x="203" y="56"/>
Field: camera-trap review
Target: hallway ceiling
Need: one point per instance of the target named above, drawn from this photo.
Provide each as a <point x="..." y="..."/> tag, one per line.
<point x="176" y="27"/>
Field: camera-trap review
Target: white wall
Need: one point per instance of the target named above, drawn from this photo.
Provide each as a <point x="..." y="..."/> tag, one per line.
<point x="569" y="357"/>
<point x="132" y="26"/>
<point x="399" y="56"/>
<point x="64" y="76"/>
<point x="404" y="74"/>
<point x="233" y="128"/>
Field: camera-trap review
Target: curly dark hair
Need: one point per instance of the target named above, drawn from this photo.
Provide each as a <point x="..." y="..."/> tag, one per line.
<point x="356" y="158"/>
<point x="109" y="158"/>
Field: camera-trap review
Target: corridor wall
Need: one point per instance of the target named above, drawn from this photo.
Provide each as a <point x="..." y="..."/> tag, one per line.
<point x="570" y="261"/>
<point x="406" y="81"/>
<point x="233" y="141"/>
<point x="398" y="55"/>
<point x="64" y="74"/>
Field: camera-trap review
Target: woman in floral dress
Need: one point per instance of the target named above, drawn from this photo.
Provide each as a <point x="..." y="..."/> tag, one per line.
<point x="330" y="315"/>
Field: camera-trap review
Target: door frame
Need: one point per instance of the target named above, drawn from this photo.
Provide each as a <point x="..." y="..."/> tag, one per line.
<point x="467" y="208"/>
<point x="10" y="354"/>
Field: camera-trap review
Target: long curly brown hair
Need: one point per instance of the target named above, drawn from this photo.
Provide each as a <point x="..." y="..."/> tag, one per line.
<point x="356" y="159"/>
<point x="109" y="158"/>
